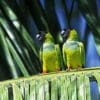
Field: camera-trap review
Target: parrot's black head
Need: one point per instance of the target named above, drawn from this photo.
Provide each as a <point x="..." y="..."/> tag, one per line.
<point x="40" y="36"/>
<point x="65" y="33"/>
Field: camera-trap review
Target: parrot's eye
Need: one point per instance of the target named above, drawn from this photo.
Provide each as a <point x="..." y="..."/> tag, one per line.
<point x="40" y="36"/>
<point x="63" y="32"/>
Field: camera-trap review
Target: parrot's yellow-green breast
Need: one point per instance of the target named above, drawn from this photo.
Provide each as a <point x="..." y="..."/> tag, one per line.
<point x="49" y="54"/>
<point x="73" y="50"/>
<point x="50" y="58"/>
<point x="73" y="56"/>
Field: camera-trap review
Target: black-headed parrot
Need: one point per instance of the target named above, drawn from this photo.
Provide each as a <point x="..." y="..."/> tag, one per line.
<point x="50" y="53"/>
<point x="73" y="50"/>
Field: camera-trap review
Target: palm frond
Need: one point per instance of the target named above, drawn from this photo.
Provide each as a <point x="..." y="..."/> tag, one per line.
<point x="6" y="54"/>
<point x="89" y="10"/>
<point x="64" y="85"/>
<point x="20" y="40"/>
<point x="21" y="19"/>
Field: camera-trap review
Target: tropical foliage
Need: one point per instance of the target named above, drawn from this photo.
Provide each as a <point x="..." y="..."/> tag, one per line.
<point x="20" y="21"/>
<point x="55" y="86"/>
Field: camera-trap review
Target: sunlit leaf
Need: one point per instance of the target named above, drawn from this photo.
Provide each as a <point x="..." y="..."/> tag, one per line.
<point x="87" y="87"/>
<point x="64" y="83"/>
<point x="54" y="90"/>
<point x="41" y="92"/>
<point x="32" y="90"/>
<point x="72" y="94"/>
<point x="46" y="90"/>
<point x="81" y="87"/>
<point x="54" y="86"/>
<point x="3" y="92"/>
<point x="16" y="92"/>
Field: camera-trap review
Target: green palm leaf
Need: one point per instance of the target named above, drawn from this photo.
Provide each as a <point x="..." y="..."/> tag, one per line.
<point x="16" y="92"/>
<point x="89" y="11"/>
<point x="17" y="58"/>
<point x="21" y="53"/>
<point x="4" y="92"/>
<point x="7" y="55"/>
<point x="64" y="88"/>
<point x="32" y="90"/>
<point x="87" y="87"/>
<point x="63" y="85"/>
<point x="81" y="88"/>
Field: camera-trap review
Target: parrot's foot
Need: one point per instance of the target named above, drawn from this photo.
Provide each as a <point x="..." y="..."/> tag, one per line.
<point x="69" y="68"/>
<point x="79" y="68"/>
<point x="57" y="69"/>
<point x="44" y="72"/>
<point x="83" y="66"/>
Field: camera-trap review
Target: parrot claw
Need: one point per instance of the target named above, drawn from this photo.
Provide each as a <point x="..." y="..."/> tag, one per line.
<point x="69" y="69"/>
<point x="79" y="68"/>
<point x="57" y="69"/>
<point x="45" y="72"/>
<point x="83" y="66"/>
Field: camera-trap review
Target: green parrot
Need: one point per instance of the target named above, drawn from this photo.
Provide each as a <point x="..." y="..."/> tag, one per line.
<point x="73" y="50"/>
<point x="50" y="54"/>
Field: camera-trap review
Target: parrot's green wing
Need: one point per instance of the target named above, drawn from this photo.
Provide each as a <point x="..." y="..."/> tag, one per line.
<point x="57" y="48"/>
<point x="64" y="55"/>
<point x="82" y="51"/>
<point x="41" y="54"/>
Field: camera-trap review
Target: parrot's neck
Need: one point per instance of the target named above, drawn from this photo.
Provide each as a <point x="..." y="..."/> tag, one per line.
<point x="48" y="41"/>
<point x="73" y="38"/>
<point x="48" y="38"/>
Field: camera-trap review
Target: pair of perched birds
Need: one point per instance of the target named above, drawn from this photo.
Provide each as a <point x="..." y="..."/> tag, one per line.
<point x="72" y="51"/>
